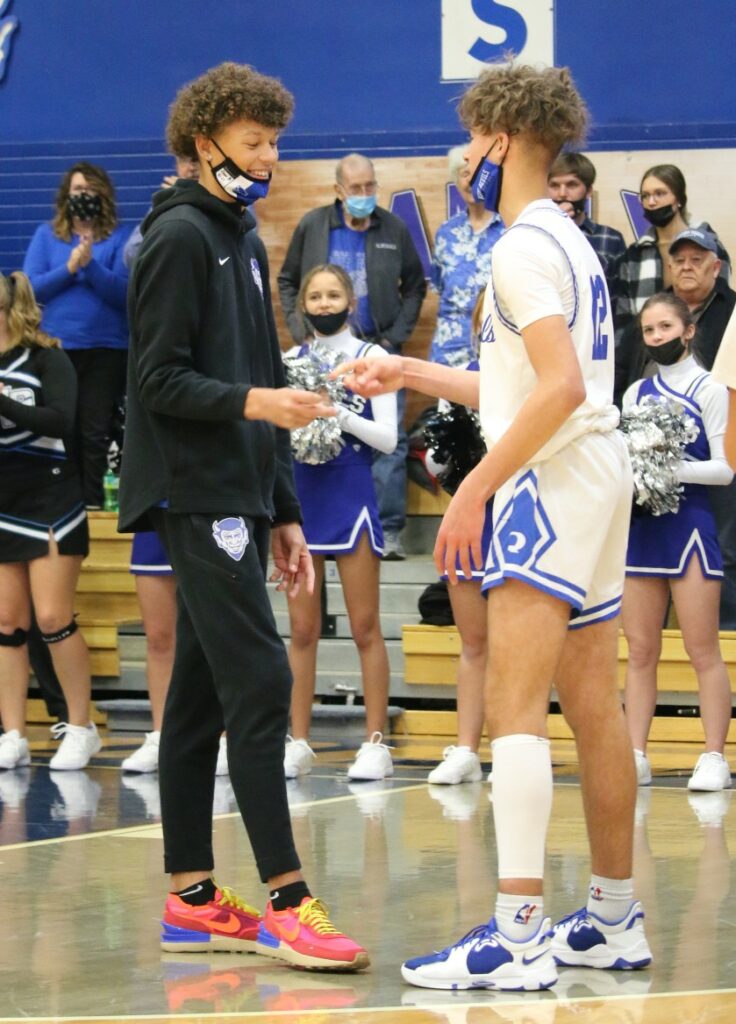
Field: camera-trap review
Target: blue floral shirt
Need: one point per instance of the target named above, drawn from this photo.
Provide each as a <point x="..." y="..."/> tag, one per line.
<point x="461" y="268"/>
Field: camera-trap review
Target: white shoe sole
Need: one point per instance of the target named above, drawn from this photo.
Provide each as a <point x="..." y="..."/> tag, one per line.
<point x="76" y="767"/>
<point x="614" y="956"/>
<point x="529" y="980"/>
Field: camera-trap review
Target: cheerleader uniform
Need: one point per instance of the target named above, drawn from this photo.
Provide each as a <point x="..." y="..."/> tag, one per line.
<point x="147" y="556"/>
<point x="41" y="490"/>
<point x="663" y="546"/>
<point x="338" y="498"/>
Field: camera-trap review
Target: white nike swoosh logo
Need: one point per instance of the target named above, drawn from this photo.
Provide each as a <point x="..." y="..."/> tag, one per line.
<point x="192" y="892"/>
<point x="223" y="262"/>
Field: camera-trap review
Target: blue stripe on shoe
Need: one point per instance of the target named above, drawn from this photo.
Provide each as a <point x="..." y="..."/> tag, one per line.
<point x="266" y="938"/>
<point x="171" y="933"/>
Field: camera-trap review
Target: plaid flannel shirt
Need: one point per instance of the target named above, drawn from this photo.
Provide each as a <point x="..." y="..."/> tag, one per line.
<point x="640" y="274"/>
<point x="609" y="246"/>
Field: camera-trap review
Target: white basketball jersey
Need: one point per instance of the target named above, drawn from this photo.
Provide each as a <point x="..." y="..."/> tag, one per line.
<point x="544" y="266"/>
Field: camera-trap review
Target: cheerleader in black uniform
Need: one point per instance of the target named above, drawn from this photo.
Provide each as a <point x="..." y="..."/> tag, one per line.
<point x="341" y="518"/>
<point x="43" y="528"/>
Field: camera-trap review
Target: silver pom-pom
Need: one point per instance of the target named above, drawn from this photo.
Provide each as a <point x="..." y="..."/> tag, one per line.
<point x="321" y="440"/>
<point x="657" y="432"/>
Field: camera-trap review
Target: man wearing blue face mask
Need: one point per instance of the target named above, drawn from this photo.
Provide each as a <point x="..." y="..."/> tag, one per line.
<point x="376" y="250"/>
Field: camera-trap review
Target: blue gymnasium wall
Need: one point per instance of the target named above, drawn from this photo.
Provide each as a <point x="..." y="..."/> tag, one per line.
<point x="93" y="78"/>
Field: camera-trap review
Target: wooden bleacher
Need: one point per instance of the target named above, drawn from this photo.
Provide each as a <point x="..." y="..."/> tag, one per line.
<point x="431" y="655"/>
<point x="106" y="595"/>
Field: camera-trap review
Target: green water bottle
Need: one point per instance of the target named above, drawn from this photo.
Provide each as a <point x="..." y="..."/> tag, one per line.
<point x="110" y="485"/>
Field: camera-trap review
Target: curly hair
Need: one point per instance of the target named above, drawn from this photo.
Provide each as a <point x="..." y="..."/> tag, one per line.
<point x="542" y="104"/>
<point x="226" y="93"/>
<point x="106" y="223"/>
<point x="23" y="314"/>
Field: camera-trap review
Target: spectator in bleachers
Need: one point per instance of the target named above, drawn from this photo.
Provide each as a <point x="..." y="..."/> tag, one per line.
<point x="570" y="183"/>
<point x="377" y="251"/>
<point x="185" y="168"/>
<point x="340" y="510"/>
<point x="461" y="267"/>
<point x="677" y="553"/>
<point x="76" y="267"/>
<point x="43" y="528"/>
<point x="644" y="270"/>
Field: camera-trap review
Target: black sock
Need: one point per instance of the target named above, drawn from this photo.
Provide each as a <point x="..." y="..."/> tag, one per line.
<point x="198" y="894"/>
<point x="289" y="895"/>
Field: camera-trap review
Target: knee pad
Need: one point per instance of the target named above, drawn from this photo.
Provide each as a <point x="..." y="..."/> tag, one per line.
<point x="60" y="634"/>
<point x="15" y="639"/>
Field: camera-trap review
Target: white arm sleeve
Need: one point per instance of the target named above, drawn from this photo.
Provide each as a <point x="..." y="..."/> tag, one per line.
<point x="381" y="432"/>
<point x="715" y="471"/>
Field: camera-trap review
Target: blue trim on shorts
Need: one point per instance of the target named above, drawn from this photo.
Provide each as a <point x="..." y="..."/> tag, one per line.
<point x="515" y="573"/>
<point x="600" y="613"/>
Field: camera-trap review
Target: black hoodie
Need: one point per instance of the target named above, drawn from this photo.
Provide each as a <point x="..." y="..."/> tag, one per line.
<point x="202" y="334"/>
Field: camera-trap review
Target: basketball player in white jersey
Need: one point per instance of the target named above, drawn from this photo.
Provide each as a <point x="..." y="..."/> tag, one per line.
<point x="562" y="483"/>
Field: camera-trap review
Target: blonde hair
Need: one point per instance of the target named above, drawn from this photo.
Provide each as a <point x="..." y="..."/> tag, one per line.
<point x="23" y="313"/>
<point x="542" y="104"/>
<point x="105" y="224"/>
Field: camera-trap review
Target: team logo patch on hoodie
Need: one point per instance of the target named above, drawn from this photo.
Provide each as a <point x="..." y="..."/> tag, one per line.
<point x="231" y="535"/>
<point x="256" y="272"/>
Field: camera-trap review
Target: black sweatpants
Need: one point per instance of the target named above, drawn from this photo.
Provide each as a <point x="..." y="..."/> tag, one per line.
<point x="101" y="385"/>
<point x="230" y="671"/>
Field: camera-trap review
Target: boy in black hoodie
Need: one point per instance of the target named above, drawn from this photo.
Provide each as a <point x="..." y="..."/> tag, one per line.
<point x="207" y="464"/>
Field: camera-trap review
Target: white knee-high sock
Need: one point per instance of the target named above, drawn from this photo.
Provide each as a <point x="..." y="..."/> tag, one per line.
<point x="522" y="800"/>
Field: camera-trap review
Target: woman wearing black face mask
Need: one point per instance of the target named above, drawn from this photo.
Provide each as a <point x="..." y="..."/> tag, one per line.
<point x="340" y="510"/>
<point x="677" y="553"/>
<point x="76" y="267"/>
<point x="643" y="270"/>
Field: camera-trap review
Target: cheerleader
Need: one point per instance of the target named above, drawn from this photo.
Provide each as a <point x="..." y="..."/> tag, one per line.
<point x="341" y="519"/>
<point x="43" y="528"/>
<point x="677" y="553"/>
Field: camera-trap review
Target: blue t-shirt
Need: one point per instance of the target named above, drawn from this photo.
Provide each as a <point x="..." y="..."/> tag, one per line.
<point x="347" y="250"/>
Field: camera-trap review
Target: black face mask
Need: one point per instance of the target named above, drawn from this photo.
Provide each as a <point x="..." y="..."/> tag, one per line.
<point x="578" y="205"/>
<point x="83" y="206"/>
<point x="666" y="354"/>
<point x="661" y="216"/>
<point x="328" y="323"/>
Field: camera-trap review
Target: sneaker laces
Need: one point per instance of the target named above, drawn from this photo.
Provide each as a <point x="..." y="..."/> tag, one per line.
<point x="448" y="751"/>
<point x="373" y="743"/>
<point x="228" y="898"/>
<point x="574" y="918"/>
<point x="74" y="735"/>
<point x="313" y="914"/>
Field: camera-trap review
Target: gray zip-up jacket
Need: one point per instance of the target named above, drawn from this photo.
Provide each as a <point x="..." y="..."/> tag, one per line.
<point x="396" y="284"/>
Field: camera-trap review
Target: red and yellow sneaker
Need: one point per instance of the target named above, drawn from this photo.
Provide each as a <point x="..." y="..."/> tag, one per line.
<point x="226" y="923"/>
<point x="305" y="937"/>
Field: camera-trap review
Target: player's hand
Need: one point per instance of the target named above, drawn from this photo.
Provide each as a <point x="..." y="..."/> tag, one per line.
<point x="371" y="377"/>
<point x="460" y="534"/>
<point x="292" y="560"/>
<point x="286" y="407"/>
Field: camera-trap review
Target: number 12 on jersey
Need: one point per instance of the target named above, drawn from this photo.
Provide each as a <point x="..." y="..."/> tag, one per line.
<point x="599" y="295"/>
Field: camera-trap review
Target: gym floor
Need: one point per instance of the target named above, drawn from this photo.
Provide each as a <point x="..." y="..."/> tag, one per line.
<point x="405" y="868"/>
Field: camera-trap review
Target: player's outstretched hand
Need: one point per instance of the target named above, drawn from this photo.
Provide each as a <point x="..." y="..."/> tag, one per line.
<point x="293" y="566"/>
<point x="286" y="407"/>
<point x="460" y="534"/>
<point x="371" y="377"/>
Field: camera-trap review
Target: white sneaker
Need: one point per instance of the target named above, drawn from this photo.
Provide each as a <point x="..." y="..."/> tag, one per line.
<point x="711" y="773"/>
<point x="585" y="940"/>
<point x="459" y="764"/>
<point x="80" y="743"/>
<point x="298" y="758"/>
<point x="643" y="768"/>
<point x="14" y="752"/>
<point x="145" y="759"/>
<point x="222" y="767"/>
<point x="373" y="761"/>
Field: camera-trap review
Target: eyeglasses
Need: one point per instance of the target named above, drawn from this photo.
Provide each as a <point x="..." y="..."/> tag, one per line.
<point x="658" y="193"/>
<point x="368" y="189"/>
